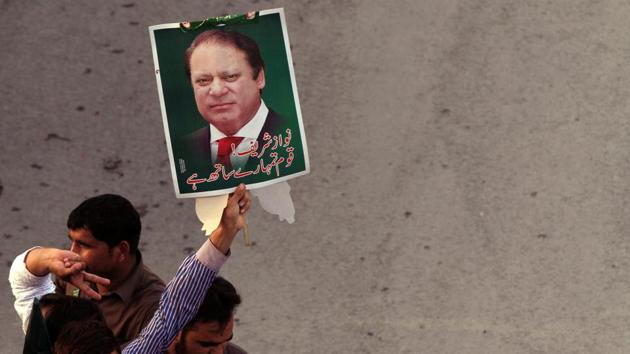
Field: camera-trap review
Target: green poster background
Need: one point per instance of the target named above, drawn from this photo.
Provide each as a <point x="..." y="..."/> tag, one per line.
<point x="181" y="110"/>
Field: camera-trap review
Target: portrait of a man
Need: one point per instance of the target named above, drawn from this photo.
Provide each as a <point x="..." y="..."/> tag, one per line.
<point x="229" y="103"/>
<point x="227" y="75"/>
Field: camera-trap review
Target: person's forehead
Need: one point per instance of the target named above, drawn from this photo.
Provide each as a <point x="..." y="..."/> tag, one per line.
<point x="211" y="330"/>
<point x="84" y="235"/>
<point x="218" y="45"/>
<point x="211" y="326"/>
<point x="217" y="54"/>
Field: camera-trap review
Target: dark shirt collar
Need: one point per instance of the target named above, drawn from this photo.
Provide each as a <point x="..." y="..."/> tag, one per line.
<point x="126" y="290"/>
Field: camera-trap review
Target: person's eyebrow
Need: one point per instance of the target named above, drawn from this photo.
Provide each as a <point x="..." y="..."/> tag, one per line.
<point x="214" y="344"/>
<point x="78" y="241"/>
<point x="208" y="344"/>
<point x="230" y="72"/>
<point x="201" y="74"/>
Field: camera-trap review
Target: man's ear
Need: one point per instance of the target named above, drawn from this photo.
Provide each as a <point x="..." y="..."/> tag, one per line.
<point x="260" y="79"/>
<point x="176" y="341"/>
<point x="124" y="249"/>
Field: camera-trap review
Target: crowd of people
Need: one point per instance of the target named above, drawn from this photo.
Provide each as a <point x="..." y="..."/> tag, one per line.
<point x="99" y="298"/>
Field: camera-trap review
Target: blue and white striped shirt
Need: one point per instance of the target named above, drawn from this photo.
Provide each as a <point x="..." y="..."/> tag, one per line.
<point x="178" y="305"/>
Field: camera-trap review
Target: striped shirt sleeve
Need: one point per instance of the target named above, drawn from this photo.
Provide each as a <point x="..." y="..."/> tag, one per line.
<point x="179" y="302"/>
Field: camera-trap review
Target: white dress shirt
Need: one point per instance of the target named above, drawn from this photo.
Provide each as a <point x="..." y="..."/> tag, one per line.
<point x="249" y="132"/>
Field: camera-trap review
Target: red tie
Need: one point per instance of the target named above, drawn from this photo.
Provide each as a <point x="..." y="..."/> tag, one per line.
<point x="225" y="150"/>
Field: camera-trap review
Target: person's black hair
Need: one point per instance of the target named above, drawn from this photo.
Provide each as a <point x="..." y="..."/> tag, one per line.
<point x="110" y="218"/>
<point x="86" y="337"/>
<point x="218" y="305"/>
<point x="61" y="309"/>
<point x="235" y="39"/>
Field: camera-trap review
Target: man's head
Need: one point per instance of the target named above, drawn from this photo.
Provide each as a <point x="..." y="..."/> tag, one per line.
<point x="211" y="329"/>
<point x="86" y="337"/>
<point x="104" y="231"/>
<point x="58" y="310"/>
<point x="74" y="325"/>
<point x="227" y="73"/>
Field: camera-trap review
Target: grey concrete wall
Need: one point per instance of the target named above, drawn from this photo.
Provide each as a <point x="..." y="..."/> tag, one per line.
<point x="470" y="169"/>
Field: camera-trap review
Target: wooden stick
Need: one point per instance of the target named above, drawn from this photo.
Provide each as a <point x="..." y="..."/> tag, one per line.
<point x="248" y="242"/>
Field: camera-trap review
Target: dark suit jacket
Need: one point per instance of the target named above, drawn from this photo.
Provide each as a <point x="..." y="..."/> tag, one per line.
<point x="195" y="147"/>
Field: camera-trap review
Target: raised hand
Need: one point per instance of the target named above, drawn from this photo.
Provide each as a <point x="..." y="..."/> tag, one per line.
<point x="232" y="220"/>
<point x="66" y="265"/>
<point x="81" y="280"/>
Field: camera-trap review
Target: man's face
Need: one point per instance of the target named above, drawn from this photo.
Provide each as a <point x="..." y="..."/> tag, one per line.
<point x="205" y="338"/>
<point x="226" y="92"/>
<point x="96" y="254"/>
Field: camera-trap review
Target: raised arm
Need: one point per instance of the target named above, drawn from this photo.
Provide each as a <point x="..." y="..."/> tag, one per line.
<point x="185" y="292"/>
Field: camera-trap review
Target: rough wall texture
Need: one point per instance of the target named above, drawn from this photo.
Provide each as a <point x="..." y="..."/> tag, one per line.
<point x="470" y="169"/>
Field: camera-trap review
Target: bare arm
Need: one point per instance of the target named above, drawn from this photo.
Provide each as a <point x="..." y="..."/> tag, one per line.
<point x="232" y="220"/>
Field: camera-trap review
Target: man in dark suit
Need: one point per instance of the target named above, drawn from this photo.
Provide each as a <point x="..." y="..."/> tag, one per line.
<point x="227" y="74"/>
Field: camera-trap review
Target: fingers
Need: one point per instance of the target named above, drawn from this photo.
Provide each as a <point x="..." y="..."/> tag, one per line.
<point x="69" y="256"/>
<point x="85" y="289"/>
<point x="80" y="281"/>
<point x="76" y="268"/>
<point x="245" y="203"/>
<point x="72" y="262"/>
<point x="238" y="204"/>
<point x="69" y="263"/>
<point x="241" y="196"/>
<point x="61" y="270"/>
<point x="238" y="193"/>
<point x="95" y="278"/>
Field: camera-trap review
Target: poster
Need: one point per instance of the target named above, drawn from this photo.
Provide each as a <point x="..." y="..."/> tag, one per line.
<point x="229" y="103"/>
